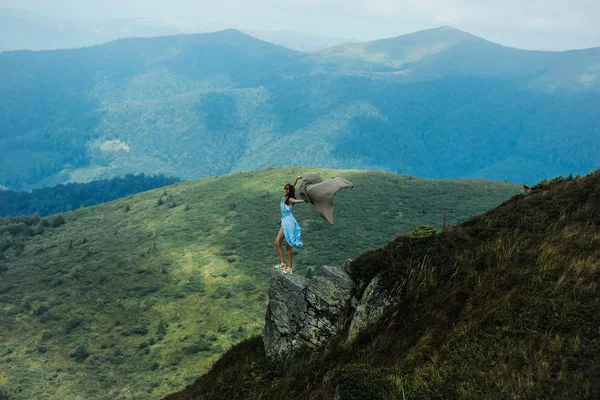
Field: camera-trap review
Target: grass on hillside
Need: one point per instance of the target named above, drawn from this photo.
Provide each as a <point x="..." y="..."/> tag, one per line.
<point x="504" y="305"/>
<point x="137" y="297"/>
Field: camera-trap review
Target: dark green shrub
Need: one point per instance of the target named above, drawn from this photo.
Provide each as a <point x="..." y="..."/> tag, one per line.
<point x="223" y="291"/>
<point x="72" y="322"/>
<point x="212" y="337"/>
<point x="146" y="290"/>
<point x="116" y="359"/>
<point x="43" y="308"/>
<point x="217" y="348"/>
<point x="80" y="353"/>
<point x="140" y="330"/>
<point x="58" y="221"/>
<point x="239" y="333"/>
<point x="26" y="306"/>
<point x="76" y="272"/>
<point x="6" y="241"/>
<point x="19" y="229"/>
<point x="35" y="219"/>
<point x="233" y="245"/>
<point x="247" y="286"/>
<point x="38" y="229"/>
<point x="195" y="284"/>
<point x="193" y="349"/>
<point x="174" y="359"/>
<point x="161" y="329"/>
<point x="201" y="344"/>
<point x="47" y="316"/>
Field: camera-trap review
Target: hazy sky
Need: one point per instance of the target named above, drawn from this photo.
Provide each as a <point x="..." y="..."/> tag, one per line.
<point x="531" y="24"/>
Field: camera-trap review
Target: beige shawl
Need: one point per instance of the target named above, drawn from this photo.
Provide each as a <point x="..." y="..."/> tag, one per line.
<point x="320" y="193"/>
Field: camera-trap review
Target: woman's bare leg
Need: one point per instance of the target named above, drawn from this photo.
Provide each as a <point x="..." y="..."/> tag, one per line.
<point x="289" y="251"/>
<point x="278" y="241"/>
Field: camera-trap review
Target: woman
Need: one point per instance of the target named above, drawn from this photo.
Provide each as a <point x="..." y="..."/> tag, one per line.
<point x="290" y="230"/>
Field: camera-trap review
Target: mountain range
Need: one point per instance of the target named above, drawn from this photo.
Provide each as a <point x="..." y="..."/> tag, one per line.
<point x="23" y="30"/>
<point x="436" y="103"/>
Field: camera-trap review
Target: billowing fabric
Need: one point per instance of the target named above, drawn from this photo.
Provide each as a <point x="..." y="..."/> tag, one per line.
<point x="290" y="226"/>
<point x="320" y="193"/>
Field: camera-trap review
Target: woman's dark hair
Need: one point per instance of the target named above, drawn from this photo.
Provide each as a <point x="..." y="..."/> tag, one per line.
<point x="291" y="193"/>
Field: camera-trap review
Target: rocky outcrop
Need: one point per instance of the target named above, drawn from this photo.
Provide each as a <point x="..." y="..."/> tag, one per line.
<point x="372" y="305"/>
<point x="302" y="313"/>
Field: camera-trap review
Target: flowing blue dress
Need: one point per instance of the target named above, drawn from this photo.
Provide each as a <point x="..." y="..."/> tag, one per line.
<point x="290" y="226"/>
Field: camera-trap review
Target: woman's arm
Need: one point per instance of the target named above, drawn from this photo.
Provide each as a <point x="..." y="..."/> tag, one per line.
<point x="292" y="200"/>
<point x="297" y="179"/>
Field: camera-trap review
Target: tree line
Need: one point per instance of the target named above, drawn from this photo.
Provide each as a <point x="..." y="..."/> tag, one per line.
<point x="61" y="198"/>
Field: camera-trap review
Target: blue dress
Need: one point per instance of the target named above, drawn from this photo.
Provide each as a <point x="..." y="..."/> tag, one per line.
<point x="290" y="226"/>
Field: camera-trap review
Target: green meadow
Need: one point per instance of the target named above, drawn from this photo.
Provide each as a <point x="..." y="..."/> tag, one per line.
<point x="136" y="298"/>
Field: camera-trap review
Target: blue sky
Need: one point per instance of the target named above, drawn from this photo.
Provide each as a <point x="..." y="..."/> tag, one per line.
<point x="533" y="24"/>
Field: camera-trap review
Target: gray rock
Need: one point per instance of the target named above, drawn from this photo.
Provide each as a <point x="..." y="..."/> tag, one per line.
<point x="372" y="305"/>
<point x="302" y="313"/>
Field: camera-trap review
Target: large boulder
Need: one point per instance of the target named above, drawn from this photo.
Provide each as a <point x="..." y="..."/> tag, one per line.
<point x="371" y="306"/>
<point x="302" y="312"/>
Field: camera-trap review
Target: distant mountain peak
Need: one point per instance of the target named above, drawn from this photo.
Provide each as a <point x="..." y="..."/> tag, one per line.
<point x="233" y="35"/>
<point x="229" y="33"/>
<point x="397" y="51"/>
<point x="232" y="31"/>
<point x="448" y="28"/>
<point x="443" y="32"/>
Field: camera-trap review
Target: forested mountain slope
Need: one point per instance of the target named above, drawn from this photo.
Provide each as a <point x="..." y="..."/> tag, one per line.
<point x="436" y="103"/>
<point x="61" y="198"/>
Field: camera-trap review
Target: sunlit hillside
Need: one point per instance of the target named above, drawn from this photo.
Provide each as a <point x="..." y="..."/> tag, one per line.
<point x="137" y="297"/>
<point x="503" y="306"/>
